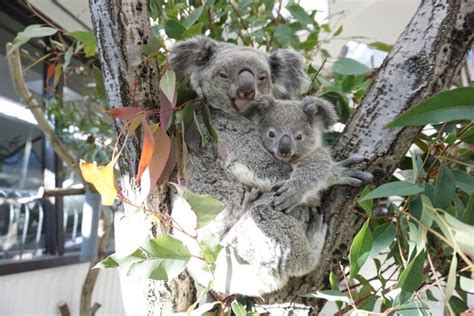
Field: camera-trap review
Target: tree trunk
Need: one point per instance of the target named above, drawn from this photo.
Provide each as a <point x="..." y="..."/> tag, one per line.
<point x="424" y="61"/>
<point x="122" y="28"/>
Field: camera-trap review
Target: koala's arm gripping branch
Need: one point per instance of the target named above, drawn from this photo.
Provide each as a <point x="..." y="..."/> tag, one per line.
<point x="424" y="61"/>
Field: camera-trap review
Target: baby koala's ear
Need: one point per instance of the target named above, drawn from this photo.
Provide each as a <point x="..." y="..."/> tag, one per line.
<point x="320" y="111"/>
<point x="256" y="109"/>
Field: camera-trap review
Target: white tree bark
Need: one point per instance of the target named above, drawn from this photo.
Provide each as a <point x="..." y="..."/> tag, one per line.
<point x="122" y="28"/>
<point x="424" y="61"/>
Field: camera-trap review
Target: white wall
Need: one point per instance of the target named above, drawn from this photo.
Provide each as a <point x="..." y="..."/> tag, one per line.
<point x="38" y="292"/>
<point x="377" y="20"/>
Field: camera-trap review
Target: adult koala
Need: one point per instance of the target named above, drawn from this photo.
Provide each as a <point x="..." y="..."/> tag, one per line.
<point x="268" y="247"/>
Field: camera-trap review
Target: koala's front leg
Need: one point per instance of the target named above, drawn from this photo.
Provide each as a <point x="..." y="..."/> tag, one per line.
<point x="288" y="194"/>
<point x="352" y="177"/>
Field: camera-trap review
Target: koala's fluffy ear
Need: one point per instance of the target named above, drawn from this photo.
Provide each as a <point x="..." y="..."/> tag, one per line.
<point x="320" y="111"/>
<point x="187" y="56"/>
<point x="257" y="108"/>
<point x="288" y="74"/>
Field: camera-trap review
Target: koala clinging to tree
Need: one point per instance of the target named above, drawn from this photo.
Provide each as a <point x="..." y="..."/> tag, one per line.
<point x="270" y="245"/>
<point x="292" y="131"/>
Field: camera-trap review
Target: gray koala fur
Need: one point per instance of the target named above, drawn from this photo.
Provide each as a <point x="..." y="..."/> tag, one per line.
<point x="267" y="247"/>
<point x="292" y="131"/>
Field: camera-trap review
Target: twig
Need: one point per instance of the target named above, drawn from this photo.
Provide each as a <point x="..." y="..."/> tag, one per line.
<point x="64" y="309"/>
<point x="316" y="75"/>
<point x="16" y="72"/>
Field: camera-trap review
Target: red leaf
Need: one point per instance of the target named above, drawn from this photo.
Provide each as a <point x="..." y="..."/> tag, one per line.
<point x="170" y="163"/>
<point x="50" y="75"/>
<point x="125" y="113"/>
<point x="161" y="155"/>
<point x="147" y="149"/>
<point x="166" y="109"/>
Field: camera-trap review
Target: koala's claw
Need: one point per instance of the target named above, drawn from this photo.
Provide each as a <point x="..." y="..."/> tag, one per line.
<point x="286" y="197"/>
<point x="355" y="178"/>
<point x="352" y="160"/>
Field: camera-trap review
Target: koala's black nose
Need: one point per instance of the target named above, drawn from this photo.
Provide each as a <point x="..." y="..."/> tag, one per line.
<point x="284" y="145"/>
<point x="245" y="85"/>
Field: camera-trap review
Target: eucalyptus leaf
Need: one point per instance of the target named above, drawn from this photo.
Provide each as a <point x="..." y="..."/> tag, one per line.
<point x="457" y="104"/>
<point x="398" y="188"/>
<point x="411" y="278"/>
<point x="383" y="236"/>
<point x="31" y="31"/>
<point x="348" y="66"/>
<point x="329" y="295"/>
<point x="206" y="207"/>
<point x="445" y="188"/>
<point x="88" y="40"/>
<point x="466" y="284"/>
<point x="360" y="249"/>
<point x="464" y="181"/>
<point x="193" y="17"/>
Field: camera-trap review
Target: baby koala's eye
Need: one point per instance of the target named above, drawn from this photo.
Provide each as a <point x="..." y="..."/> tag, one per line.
<point x="262" y="77"/>
<point x="271" y="134"/>
<point x="299" y="137"/>
<point x="223" y="75"/>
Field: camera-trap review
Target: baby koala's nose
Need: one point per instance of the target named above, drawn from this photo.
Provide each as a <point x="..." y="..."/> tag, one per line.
<point x="284" y="145"/>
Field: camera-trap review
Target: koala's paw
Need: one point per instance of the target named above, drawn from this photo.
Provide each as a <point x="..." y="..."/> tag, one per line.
<point x="250" y="197"/>
<point x="287" y="196"/>
<point x="353" y="177"/>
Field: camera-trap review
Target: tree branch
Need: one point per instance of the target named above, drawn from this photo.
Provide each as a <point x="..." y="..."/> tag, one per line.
<point x="424" y="61"/>
<point x="16" y="73"/>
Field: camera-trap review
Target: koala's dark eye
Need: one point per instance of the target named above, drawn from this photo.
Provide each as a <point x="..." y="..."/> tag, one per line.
<point x="262" y="77"/>
<point x="271" y="134"/>
<point x="299" y="137"/>
<point x="223" y="75"/>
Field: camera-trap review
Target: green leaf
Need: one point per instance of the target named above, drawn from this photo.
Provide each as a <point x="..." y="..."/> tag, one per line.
<point x="67" y="58"/>
<point x="360" y="249"/>
<point x="300" y="14"/>
<point x="193" y="17"/>
<point x="383" y="236"/>
<point x="445" y="188"/>
<point x="381" y="46"/>
<point x="411" y="278"/>
<point x="367" y="205"/>
<point x="210" y="248"/>
<point x="168" y="85"/>
<point x="238" y="309"/>
<point x="109" y="262"/>
<point x="164" y="258"/>
<point x="398" y="188"/>
<point x="451" y="283"/>
<point x="457" y="104"/>
<point x="464" y="181"/>
<point x="338" y="31"/>
<point x="348" y="66"/>
<point x="31" y="31"/>
<point x="174" y="29"/>
<point x="329" y="295"/>
<point x="348" y="83"/>
<point x="193" y="31"/>
<point x="466" y="284"/>
<point x="206" y="207"/>
<point x="468" y="136"/>
<point x="412" y="309"/>
<point x="88" y="40"/>
<point x="99" y="85"/>
<point x="468" y="213"/>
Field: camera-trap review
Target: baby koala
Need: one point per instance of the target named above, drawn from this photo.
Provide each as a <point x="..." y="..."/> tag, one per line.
<point x="293" y="132"/>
